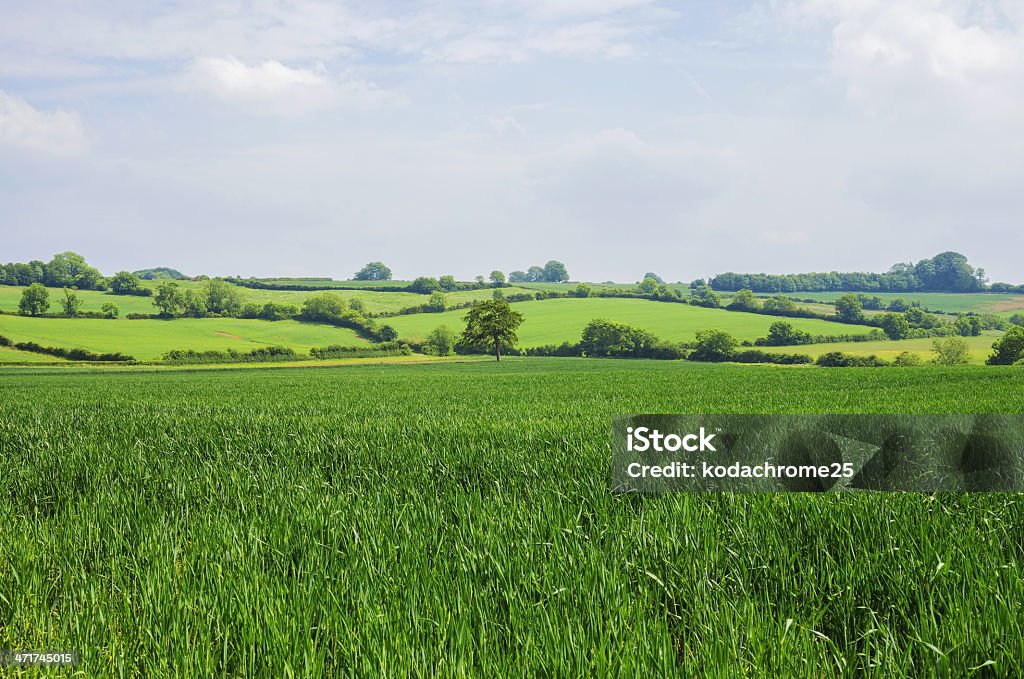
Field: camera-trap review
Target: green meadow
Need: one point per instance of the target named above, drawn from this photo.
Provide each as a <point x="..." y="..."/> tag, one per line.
<point x="455" y="519"/>
<point x="554" y="321"/>
<point x="148" y="340"/>
<point x="949" y="302"/>
<point x="374" y="302"/>
<point x="92" y="300"/>
<point x="979" y="347"/>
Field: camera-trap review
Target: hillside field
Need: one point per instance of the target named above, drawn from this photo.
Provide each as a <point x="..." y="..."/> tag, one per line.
<point x="375" y="302"/>
<point x="980" y="347"/>
<point x="949" y="302"/>
<point x="456" y="519"/>
<point x="148" y="340"/>
<point x="554" y="321"/>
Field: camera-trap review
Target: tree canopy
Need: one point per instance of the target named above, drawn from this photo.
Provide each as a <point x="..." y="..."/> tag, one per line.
<point x="374" y="271"/>
<point x="491" y="325"/>
<point x="945" y="272"/>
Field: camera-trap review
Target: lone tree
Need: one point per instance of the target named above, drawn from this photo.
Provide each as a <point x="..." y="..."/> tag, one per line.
<point x="491" y="325"/>
<point x="374" y="271"/>
<point x="35" y="300"/>
<point x="169" y="299"/>
<point x="849" y="309"/>
<point x="72" y="303"/>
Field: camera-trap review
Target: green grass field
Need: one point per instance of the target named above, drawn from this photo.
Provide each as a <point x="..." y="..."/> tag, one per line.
<point x="980" y="347"/>
<point x="9" y="355"/>
<point x="456" y="519"/>
<point x="147" y="340"/>
<point x="375" y="302"/>
<point x="554" y="321"/>
<point x="949" y="302"/>
<point x="92" y="300"/>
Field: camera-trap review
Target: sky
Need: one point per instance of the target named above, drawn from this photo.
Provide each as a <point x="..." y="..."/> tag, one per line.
<point x="299" y="137"/>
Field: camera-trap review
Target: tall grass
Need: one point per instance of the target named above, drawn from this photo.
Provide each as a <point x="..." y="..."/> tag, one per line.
<point x="456" y="520"/>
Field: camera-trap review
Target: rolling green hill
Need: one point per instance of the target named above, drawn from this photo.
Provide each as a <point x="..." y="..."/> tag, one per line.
<point x="555" y="321"/>
<point x="375" y="302"/>
<point x="950" y="302"/>
<point x="148" y="340"/>
<point x="980" y="347"/>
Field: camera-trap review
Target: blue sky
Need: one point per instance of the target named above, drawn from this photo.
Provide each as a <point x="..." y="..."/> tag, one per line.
<point x="619" y="136"/>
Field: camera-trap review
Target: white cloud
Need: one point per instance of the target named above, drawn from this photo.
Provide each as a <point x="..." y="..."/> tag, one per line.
<point x="275" y="88"/>
<point x="926" y="57"/>
<point x="55" y="132"/>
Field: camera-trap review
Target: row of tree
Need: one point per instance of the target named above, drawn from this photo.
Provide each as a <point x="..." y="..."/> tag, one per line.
<point x="552" y="272"/>
<point x="945" y="272"/>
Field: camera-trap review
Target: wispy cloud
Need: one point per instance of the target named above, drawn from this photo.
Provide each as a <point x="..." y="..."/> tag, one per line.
<point x="55" y="132"/>
<point x="272" y="87"/>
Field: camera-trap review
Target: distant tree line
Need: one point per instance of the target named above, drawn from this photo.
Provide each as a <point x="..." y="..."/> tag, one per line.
<point x="552" y="272"/>
<point x="945" y="272"/>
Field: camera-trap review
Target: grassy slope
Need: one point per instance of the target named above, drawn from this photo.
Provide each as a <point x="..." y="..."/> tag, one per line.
<point x="456" y="519"/>
<point x="375" y="302"/>
<point x="9" y="355"/>
<point x="943" y="301"/>
<point x="980" y="347"/>
<point x="554" y="321"/>
<point x="148" y="340"/>
<point x="92" y="300"/>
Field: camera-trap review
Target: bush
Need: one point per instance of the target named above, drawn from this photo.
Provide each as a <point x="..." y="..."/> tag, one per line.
<point x="440" y="342"/>
<point x="950" y="351"/>
<point x="908" y="359"/>
<point x="781" y="334"/>
<point x="838" y="359"/>
<point x="72" y="354"/>
<point x="384" y="349"/>
<point x="713" y="345"/>
<point x="758" y="356"/>
<point x="1009" y="348"/>
<point x="262" y="354"/>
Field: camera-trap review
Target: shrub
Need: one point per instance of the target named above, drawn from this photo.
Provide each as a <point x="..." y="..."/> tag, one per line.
<point x="1009" y="348"/>
<point x="908" y="359"/>
<point x="781" y="333"/>
<point x="713" y="345"/>
<point x="72" y="354"/>
<point x="110" y="310"/>
<point x="758" y="356"/>
<point x="440" y="342"/>
<point x="262" y="354"/>
<point x="950" y="351"/>
<point x="838" y="359"/>
<point x="384" y="349"/>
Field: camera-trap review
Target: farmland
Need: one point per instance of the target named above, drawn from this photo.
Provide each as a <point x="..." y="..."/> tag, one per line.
<point x="375" y="302"/>
<point x="149" y="339"/>
<point x="456" y="519"/>
<point x="948" y="302"/>
<point x="979" y="347"/>
<point x="555" y="321"/>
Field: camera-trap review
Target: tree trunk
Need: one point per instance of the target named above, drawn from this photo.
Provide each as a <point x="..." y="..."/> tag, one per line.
<point x="497" y="349"/>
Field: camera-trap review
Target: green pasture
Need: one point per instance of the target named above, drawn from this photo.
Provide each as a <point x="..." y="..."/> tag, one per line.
<point x="375" y="302"/>
<point x="554" y="321"/>
<point x="92" y="300"/>
<point x="456" y="520"/>
<point x="147" y="340"/>
<point x="11" y="355"/>
<point x="980" y="347"/>
<point x="949" y="302"/>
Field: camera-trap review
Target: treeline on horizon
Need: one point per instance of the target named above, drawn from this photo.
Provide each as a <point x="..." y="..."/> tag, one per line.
<point x="945" y="272"/>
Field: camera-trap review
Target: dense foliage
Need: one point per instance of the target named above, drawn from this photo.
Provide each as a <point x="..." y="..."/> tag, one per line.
<point x="948" y="271"/>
